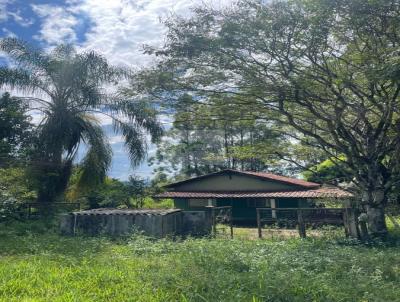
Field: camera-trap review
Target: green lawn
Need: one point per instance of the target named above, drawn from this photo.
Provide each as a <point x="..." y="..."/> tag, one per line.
<point x="41" y="266"/>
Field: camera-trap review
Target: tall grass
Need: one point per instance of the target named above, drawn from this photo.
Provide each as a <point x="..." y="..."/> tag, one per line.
<point x="39" y="265"/>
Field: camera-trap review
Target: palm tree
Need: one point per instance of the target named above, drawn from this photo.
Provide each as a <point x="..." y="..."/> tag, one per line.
<point x="70" y="91"/>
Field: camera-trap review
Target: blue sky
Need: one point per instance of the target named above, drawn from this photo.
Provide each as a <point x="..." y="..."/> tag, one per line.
<point x="117" y="29"/>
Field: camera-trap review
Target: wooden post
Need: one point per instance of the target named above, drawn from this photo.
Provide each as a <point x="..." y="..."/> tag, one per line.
<point x="162" y="225"/>
<point x="259" y="224"/>
<point x="230" y="221"/>
<point x="302" y="226"/>
<point x="346" y="223"/>
<point x="214" y="222"/>
<point x="209" y="219"/>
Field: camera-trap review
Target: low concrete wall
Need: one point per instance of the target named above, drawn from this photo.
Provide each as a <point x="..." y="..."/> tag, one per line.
<point x="196" y="223"/>
<point x="154" y="223"/>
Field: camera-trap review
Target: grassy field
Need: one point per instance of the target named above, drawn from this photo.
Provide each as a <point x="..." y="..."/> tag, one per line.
<point x="39" y="265"/>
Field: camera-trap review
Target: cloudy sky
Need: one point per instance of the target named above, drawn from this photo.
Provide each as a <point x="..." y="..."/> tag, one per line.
<point x="115" y="28"/>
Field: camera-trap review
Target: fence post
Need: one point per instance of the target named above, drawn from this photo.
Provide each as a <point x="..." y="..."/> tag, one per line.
<point x="259" y="223"/>
<point x="346" y="223"/>
<point x="302" y="226"/>
<point x="230" y="221"/>
<point x="214" y="222"/>
<point x="209" y="219"/>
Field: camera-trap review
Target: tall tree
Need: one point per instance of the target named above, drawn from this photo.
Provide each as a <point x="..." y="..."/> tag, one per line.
<point x="329" y="68"/>
<point x="69" y="89"/>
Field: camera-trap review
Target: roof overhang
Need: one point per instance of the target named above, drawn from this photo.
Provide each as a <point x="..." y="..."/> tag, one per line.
<point x="315" y="193"/>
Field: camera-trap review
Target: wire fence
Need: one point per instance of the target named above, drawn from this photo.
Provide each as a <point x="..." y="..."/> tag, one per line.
<point x="39" y="209"/>
<point x="300" y="218"/>
<point x="221" y="217"/>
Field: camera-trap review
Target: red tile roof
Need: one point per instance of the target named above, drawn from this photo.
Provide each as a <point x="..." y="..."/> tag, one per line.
<point x="290" y="180"/>
<point x="262" y="175"/>
<point x="315" y="193"/>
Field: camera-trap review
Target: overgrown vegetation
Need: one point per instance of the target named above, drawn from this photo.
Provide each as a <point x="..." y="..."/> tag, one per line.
<point x="38" y="265"/>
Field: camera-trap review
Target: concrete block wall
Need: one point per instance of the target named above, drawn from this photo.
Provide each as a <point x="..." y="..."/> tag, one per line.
<point x="152" y="223"/>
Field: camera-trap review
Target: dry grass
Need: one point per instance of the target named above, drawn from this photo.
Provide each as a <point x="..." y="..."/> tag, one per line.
<point x="248" y="233"/>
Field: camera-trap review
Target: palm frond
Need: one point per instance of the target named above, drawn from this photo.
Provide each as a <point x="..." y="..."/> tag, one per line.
<point x="21" y="79"/>
<point x="98" y="157"/>
<point x="24" y="54"/>
<point x="63" y="52"/>
<point x="97" y="69"/>
<point x="137" y="121"/>
<point x="135" y="140"/>
<point x="139" y="113"/>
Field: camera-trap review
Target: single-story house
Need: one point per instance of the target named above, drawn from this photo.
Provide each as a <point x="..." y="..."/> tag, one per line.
<point x="245" y="191"/>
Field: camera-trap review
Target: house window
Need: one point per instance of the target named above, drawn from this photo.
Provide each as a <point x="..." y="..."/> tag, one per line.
<point x="259" y="203"/>
<point x="198" y="203"/>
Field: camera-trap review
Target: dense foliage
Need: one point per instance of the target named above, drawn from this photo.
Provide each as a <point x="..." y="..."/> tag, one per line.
<point x="136" y="192"/>
<point x="16" y="130"/>
<point x="15" y="190"/>
<point x="328" y="171"/>
<point x="38" y="265"/>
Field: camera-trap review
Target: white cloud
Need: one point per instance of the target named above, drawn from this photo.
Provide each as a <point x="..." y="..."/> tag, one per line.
<point x="16" y="15"/>
<point x="118" y="28"/>
<point x="18" y="18"/>
<point x="121" y="28"/>
<point x="57" y="24"/>
<point x="116" y="139"/>
<point x="3" y="9"/>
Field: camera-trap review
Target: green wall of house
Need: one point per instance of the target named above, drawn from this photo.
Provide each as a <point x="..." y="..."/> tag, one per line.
<point x="240" y="209"/>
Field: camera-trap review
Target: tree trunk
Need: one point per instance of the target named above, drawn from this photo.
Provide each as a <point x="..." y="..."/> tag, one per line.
<point x="376" y="220"/>
<point x="226" y="148"/>
<point x="374" y="201"/>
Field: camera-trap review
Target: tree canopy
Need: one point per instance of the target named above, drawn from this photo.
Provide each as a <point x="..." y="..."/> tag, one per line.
<point x="328" y="69"/>
<point x="205" y="138"/>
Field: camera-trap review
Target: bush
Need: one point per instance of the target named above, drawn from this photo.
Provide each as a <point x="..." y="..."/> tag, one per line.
<point x="9" y="207"/>
<point x="150" y="203"/>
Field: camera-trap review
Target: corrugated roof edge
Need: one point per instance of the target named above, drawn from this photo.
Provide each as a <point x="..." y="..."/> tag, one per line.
<point x="312" y="193"/>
